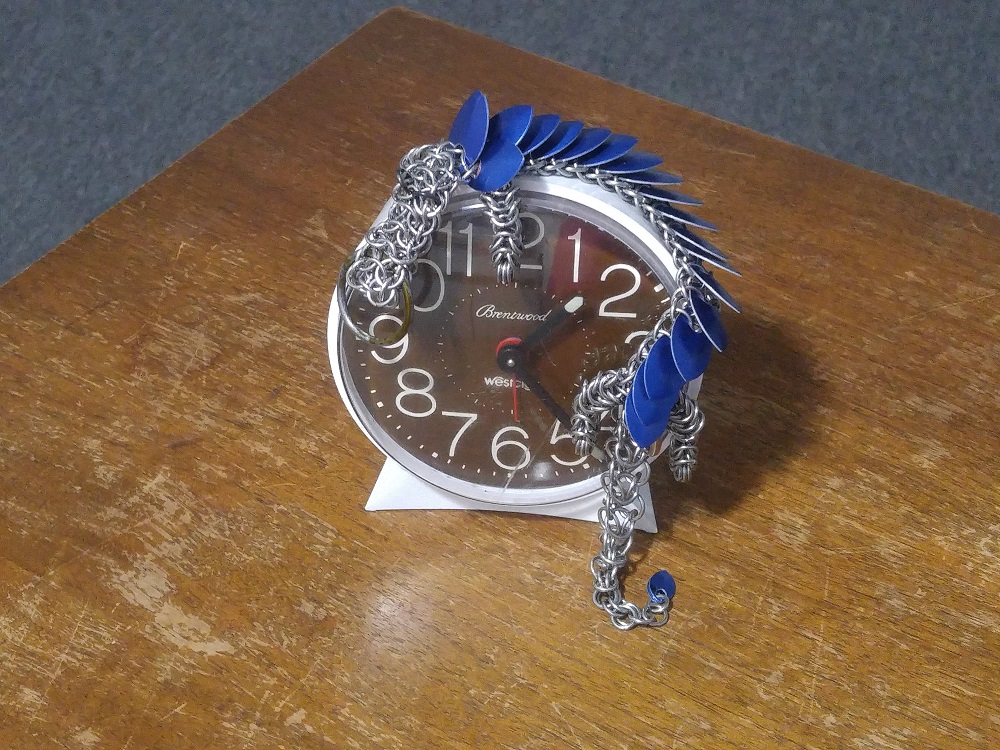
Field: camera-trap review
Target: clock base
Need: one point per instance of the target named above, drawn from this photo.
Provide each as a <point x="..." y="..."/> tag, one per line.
<point x="398" y="489"/>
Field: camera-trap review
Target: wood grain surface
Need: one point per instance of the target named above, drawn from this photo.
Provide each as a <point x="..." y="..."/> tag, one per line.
<point x="184" y="557"/>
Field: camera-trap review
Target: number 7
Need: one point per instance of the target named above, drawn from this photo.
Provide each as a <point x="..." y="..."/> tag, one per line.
<point x="469" y="419"/>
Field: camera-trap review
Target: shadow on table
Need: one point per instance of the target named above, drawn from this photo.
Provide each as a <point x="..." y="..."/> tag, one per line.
<point x="760" y="400"/>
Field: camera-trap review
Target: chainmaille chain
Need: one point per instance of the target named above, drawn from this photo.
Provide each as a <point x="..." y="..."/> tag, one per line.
<point x="628" y="193"/>
<point x="427" y="177"/>
<point x="628" y="470"/>
<point x="504" y="212"/>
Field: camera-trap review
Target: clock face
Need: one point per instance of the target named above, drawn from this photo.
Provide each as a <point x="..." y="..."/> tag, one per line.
<point x="475" y="399"/>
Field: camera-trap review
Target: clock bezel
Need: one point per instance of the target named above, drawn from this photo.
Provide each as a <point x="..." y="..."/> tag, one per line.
<point x="618" y="215"/>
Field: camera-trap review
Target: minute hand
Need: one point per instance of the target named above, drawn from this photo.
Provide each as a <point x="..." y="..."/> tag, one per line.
<point x="529" y="379"/>
<point x="552" y="322"/>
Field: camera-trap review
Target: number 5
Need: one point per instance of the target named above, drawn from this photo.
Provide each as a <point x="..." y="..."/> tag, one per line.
<point x="556" y="437"/>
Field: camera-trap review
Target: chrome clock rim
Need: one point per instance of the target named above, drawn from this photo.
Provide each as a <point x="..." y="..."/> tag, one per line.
<point x="617" y="217"/>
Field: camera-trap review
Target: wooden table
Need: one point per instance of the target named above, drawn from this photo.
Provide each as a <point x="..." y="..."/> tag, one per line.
<point x="186" y="562"/>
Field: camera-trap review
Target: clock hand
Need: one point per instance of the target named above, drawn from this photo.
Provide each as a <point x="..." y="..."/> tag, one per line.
<point x="512" y="341"/>
<point x="513" y="391"/>
<point x="552" y="321"/>
<point x="550" y="403"/>
<point x="510" y="359"/>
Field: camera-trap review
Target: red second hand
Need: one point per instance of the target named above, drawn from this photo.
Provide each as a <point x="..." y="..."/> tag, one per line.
<point x="513" y="378"/>
<point x="513" y="385"/>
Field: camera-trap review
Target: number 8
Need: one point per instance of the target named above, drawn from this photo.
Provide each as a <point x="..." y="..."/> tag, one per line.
<point x="408" y="391"/>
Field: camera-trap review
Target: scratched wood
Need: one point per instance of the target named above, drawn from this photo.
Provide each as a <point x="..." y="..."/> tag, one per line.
<point x="184" y="558"/>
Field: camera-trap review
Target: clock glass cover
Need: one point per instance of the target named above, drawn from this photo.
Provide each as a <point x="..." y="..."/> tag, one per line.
<point x="476" y="398"/>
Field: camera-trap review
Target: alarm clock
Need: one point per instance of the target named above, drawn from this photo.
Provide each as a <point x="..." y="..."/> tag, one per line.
<point x="525" y="327"/>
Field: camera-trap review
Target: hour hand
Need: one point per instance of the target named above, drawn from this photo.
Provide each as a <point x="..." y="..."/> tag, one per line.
<point x="553" y="321"/>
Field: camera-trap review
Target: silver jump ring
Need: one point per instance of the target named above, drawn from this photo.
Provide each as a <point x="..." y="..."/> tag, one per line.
<point x="360" y="332"/>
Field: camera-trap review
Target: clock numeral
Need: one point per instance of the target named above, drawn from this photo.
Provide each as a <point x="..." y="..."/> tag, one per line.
<point x="577" y="238"/>
<point x="416" y="393"/>
<point x="436" y="269"/>
<point x="447" y="229"/>
<point x="403" y="344"/>
<point x="528" y="245"/>
<point x="635" y="335"/>
<point x="469" y="419"/>
<point x="498" y="444"/>
<point x="603" y="310"/>
<point x="555" y="438"/>
<point x="468" y="248"/>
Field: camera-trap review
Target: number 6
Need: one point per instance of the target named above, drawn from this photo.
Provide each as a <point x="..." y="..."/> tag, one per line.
<point x="498" y="444"/>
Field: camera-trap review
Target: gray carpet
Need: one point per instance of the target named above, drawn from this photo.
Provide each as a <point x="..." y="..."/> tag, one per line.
<point x="98" y="96"/>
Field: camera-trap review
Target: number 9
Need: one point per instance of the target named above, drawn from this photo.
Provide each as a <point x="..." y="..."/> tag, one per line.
<point x="403" y="344"/>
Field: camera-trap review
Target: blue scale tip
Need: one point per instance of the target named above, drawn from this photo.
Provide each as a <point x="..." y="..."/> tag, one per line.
<point x="635" y="162"/>
<point x="643" y="434"/>
<point x="702" y="249"/>
<point x="660" y="376"/>
<point x="500" y="162"/>
<point x="709" y="320"/>
<point x="613" y="148"/>
<point x="541" y="127"/>
<point x="691" y="349"/>
<point x="715" y="287"/>
<point x="653" y="177"/>
<point x="661" y="587"/>
<point x="654" y="412"/>
<point x="564" y="134"/>
<point x="510" y="124"/>
<point x="690" y="237"/>
<point x="590" y="140"/>
<point x="670" y="196"/>
<point x="685" y="217"/>
<point x="470" y="126"/>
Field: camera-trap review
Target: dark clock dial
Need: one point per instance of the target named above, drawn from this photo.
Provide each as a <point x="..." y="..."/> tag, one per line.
<point x="475" y="398"/>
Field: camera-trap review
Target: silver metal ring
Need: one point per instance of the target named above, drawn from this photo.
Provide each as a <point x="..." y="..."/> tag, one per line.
<point x="360" y="332"/>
